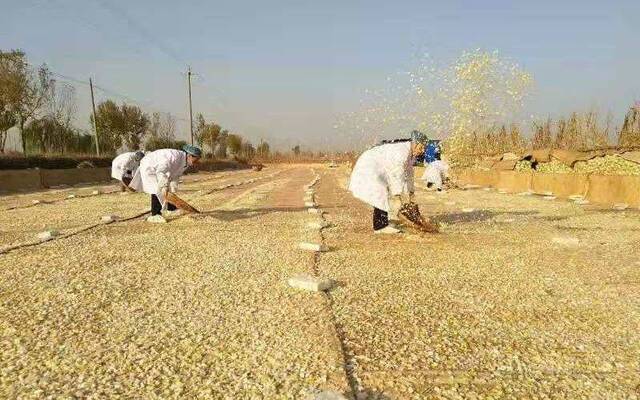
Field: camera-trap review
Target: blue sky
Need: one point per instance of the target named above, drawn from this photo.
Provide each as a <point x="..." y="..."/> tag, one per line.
<point x="283" y="70"/>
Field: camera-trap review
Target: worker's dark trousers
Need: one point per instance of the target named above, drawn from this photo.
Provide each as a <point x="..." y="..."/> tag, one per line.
<point x="380" y="219"/>
<point x="156" y="206"/>
<point x="126" y="180"/>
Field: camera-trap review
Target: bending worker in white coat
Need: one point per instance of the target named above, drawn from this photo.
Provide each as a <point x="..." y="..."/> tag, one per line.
<point x="159" y="173"/>
<point x="124" y="166"/>
<point x="435" y="174"/>
<point x="383" y="178"/>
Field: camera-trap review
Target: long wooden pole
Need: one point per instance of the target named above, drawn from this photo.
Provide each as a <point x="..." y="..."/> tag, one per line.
<point x="95" y="118"/>
<point x="190" y="109"/>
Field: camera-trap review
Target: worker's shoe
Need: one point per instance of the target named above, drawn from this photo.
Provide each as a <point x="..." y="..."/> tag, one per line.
<point x="388" y="230"/>
<point x="173" y="214"/>
<point x="156" y="219"/>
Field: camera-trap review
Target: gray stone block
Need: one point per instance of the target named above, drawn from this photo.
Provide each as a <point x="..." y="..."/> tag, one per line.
<point x="48" y="235"/>
<point x="309" y="282"/>
<point x="318" y="247"/>
<point x="109" y="218"/>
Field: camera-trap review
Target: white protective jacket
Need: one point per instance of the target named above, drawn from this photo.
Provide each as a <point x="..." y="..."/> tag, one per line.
<point x="158" y="167"/>
<point x="123" y="163"/>
<point x="383" y="171"/>
<point x="435" y="173"/>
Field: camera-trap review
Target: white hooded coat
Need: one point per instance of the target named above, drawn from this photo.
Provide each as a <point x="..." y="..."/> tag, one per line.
<point x="383" y="171"/>
<point x="123" y="163"/>
<point x="436" y="172"/>
<point x="160" y="166"/>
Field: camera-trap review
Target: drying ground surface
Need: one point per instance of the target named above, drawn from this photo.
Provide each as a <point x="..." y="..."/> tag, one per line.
<point x="518" y="297"/>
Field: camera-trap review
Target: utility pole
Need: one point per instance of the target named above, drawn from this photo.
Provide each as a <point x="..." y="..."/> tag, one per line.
<point x="95" y="119"/>
<point x="190" y="109"/>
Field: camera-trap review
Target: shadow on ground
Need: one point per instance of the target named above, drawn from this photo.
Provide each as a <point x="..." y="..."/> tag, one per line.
<point x="244" y="213"/>
<point x="475" y="216"/>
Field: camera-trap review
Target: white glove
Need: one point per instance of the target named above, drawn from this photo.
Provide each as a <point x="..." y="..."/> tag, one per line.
<point x="173" y="186"/>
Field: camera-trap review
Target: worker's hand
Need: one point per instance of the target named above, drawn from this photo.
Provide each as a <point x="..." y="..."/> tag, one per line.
<point x="173" y="186"/>
<point x="411" y="197"/>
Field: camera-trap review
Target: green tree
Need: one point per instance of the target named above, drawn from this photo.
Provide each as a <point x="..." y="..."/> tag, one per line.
<point x="200" y="128"/>
<point x="211" y="135"/>
<point x="124" y="125"/>
<point x="109" y="125"/>
<point x="7" y="121"/>
<point x="23" y="90"/>
<point x="135" y="124"/>
<point x="48" y="135"/>
<point x="234" y="143"/>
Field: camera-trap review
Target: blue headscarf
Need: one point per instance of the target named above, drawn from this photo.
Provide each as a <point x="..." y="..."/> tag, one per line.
<point x="432" y="152"/>
<point x="193" y="150"/>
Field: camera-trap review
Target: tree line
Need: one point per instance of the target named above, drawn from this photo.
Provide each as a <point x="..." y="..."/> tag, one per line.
<point x="43" y="111"/>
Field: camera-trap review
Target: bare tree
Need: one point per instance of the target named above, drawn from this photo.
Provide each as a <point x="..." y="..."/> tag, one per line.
<point x="630" y="132"/>
<point x="54" y="131"/>
<point x="61" y="104"/>
<point x="161" y="131"/>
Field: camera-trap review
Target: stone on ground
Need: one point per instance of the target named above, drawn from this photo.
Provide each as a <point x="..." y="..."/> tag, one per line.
<point x="327" y="395"/>
<point x="468" y="210"/>
<point x="95" y="192"/>
<point x="313" y="246"/>
<point x="35" y="202"/>
<point x="71" y="196"/>
<point x="314" y="210"/>
<point x="309" y="282"/>
<point x="566" y="241"/>
<point x="318" y="224"/>
<point x="109" y="218"/>
<point x="48" y="235"/>
<point x="620" y="206"/>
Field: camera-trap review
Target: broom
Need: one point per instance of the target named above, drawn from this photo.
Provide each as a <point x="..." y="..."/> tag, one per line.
<point x="411" y="213"/>
<point x="181" y="204"/>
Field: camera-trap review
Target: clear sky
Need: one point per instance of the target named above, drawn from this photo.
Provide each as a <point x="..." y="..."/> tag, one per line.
<point x="283" y="70"/>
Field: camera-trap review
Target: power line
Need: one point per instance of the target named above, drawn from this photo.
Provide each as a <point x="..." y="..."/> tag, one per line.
<point x="114" y="93"/>
<point x="140" y="30"/>
<point x="111" y="92"/>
